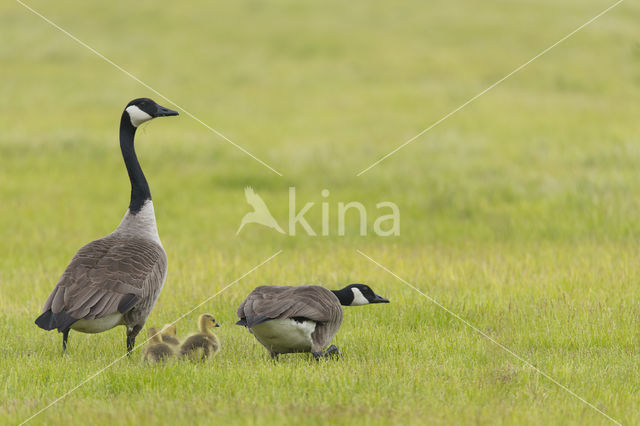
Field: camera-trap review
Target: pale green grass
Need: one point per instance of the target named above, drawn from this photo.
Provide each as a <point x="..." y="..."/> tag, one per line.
<point x="520" y="213"/>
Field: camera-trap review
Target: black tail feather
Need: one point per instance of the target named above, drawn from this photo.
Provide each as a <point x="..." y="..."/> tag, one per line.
<point x="62" y="321"/>
<point x="242" y="322"/>
<point x="45" y="321"/>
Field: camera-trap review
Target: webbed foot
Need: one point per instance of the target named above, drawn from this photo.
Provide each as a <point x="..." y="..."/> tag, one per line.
<point x="332" y="352"/>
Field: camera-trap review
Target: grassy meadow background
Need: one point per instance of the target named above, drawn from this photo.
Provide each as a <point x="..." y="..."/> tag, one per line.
<point x="520" y="213"/>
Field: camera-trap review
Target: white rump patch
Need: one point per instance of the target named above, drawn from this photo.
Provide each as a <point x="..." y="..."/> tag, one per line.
<point x="358" y="298"/>
<point x="98" y="325"/>
<point x="285" y="335"/>
<point x="137" y="115"/>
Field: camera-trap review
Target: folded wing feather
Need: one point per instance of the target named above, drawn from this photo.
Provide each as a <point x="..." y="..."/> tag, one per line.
<point x="106" y="276"/>
<point x="308" y="301"/>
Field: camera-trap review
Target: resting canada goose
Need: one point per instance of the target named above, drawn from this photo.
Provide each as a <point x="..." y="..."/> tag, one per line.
<point x="300" y="319"/>
<point x="156" y="350"/>
<point x="168" y="334"/>
<point x="117" y="279"/>
<point x="203" y="344"/>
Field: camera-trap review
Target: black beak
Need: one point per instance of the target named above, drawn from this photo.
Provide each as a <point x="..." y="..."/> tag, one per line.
<point x="217" y="325"/>
<point x="165" y="112"/>
<point x="380" y="299"/>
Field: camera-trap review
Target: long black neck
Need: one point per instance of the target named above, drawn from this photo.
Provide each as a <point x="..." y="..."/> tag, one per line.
<point x="345" y="296"/>
<point x="139" y="186"/>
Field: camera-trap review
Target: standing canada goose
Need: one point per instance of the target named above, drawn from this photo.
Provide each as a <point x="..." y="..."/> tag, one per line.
<point x="117" y="279"/>
<point x="168" y="333"/>
<point x="156" y="350"/>
<point x="203" y="344"/>
<point x="300" y="319"/>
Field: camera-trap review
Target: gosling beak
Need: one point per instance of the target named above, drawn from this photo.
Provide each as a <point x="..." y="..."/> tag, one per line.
<point x="217" y="325"/>
<point x="380" y="299"/>
<point x="165" y="112"/>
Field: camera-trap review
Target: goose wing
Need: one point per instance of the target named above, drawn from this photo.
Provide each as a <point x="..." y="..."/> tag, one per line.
<point x="106" y="276"/>
<point x="308" y="301"/>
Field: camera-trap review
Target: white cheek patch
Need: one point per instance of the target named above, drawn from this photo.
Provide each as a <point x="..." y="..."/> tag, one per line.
<point x="137" y="115"/>
<point x="358" y="298"/>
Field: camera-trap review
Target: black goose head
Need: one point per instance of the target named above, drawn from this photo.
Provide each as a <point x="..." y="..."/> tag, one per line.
<point x="144" y="109"/>
<point x="357" y="295"/>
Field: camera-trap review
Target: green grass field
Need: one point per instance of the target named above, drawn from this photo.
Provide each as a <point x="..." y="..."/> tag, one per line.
<point x="519" y="213"/>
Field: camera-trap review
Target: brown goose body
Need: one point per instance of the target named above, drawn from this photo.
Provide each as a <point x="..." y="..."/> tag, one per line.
<point x="117" y="279"/>
<point x="114" y="279"/>
<point x="292" y="319"/>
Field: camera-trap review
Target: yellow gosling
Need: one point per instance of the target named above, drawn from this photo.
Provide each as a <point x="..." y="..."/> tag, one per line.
<point x="204" y="344"/>
<point x="169" y="335"/>
<point x="156" y="350"/>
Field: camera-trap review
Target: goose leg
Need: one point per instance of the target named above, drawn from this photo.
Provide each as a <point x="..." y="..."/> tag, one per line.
<point x="317" y="355"/>
<point x="131" y="337"/>
<point x="332" y="352"/>
<point x="65" y="337"/>
<point x="274" y="356"/>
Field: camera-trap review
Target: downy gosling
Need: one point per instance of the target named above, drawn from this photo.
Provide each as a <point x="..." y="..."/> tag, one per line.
<point x="156" y="350"/>
<point x="169" y="335"/>
<point x="204" y="344"/>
